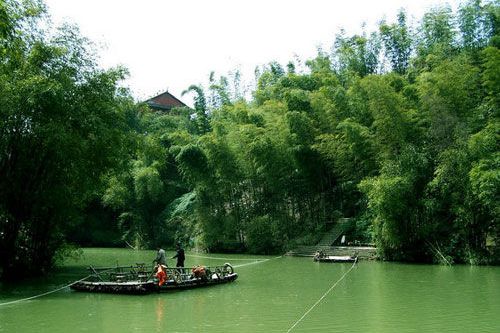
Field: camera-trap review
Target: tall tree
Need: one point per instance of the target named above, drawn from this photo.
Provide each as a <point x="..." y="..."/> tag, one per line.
<point x="398" y="43"/>
<point x="61" y="130"/>
<point x="437" y="32"/>
<point x="358" y="54"/>
<point x="475" y="26"/>
<point x="201" y="108"/>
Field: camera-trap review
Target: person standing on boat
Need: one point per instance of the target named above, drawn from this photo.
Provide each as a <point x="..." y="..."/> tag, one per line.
<point x="179" y="255"/>
<point x="160" y="257"/>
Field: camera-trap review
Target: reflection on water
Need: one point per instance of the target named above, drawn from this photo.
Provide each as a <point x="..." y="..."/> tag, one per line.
<point x="269" y="296"/>
<point x="160" y="306"/>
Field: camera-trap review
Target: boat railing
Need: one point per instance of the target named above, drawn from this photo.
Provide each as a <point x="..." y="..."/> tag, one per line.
<point x="142" y="272"/>
<point x="182" y="274"/>
<point x="137" y="272"/>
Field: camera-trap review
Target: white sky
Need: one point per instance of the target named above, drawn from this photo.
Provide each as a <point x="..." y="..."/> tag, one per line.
<point x="173" y="44"/>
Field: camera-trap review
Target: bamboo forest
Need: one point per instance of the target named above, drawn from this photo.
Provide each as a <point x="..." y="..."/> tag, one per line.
<point x="396" y="129"/>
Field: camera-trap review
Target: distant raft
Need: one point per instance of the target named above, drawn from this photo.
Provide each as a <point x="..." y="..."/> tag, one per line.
<point x="137" y="279"/>
<point x="321" y="257"/>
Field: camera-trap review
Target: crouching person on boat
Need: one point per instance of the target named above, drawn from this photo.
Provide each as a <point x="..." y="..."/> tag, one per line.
<point x="161" y="266"/>
<point x="161" y="274"/>
<point x="318" y="255"/>
<point x="199" y="272"/>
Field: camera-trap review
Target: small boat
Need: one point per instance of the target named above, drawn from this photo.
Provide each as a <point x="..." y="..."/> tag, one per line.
<point x="321" y="257"/>
<point x="137" y="279"/>
<point x="336" y="259"/>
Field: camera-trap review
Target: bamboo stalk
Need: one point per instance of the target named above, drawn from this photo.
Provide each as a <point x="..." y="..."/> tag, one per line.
<point x="439" y="252"/>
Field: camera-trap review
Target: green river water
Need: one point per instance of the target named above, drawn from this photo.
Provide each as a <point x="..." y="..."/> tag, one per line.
<point x="269" y="296"/>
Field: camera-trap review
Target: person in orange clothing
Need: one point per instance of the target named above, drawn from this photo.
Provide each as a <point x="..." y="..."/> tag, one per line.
<point x="161" y="275"/>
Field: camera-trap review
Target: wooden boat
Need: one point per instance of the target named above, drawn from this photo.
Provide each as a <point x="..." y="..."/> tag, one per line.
<point x="138" y="280"/>
<point x="336" y="259"/>
<point x="321" y="257"/>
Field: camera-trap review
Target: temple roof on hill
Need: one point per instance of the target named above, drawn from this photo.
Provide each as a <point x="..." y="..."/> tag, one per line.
<point x="165" y="102"/>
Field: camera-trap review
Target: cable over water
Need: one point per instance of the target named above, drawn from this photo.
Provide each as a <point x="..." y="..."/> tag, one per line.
<point x="227" y="259"/>
<point x="44" y="294"/>
<point x="256" y="262"/>
<point x="252" y="263"/>
<point x="321" y="298"/>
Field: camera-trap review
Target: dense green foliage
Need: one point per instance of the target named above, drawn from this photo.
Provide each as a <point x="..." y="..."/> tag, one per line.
<point x="149" y="195"/>
<point x="397" y="129"/>
<point x="61" y="129"/>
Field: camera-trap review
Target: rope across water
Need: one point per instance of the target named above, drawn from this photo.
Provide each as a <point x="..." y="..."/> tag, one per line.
<point x="253" y="260"/>
<point x="227" y="259"/>
<point x="44" y="294"/>
<point x="321" y="298"/>
<point x="256" y="262"/>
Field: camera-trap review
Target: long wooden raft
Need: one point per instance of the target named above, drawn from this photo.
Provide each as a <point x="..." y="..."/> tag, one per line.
<point x="138" y="280"/>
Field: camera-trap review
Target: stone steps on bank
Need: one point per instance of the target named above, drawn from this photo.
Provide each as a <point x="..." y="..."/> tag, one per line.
<point x="335" y="232"/>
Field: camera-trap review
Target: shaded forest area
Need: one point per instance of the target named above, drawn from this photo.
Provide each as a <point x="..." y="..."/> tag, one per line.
<point x="397" y="129"/>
